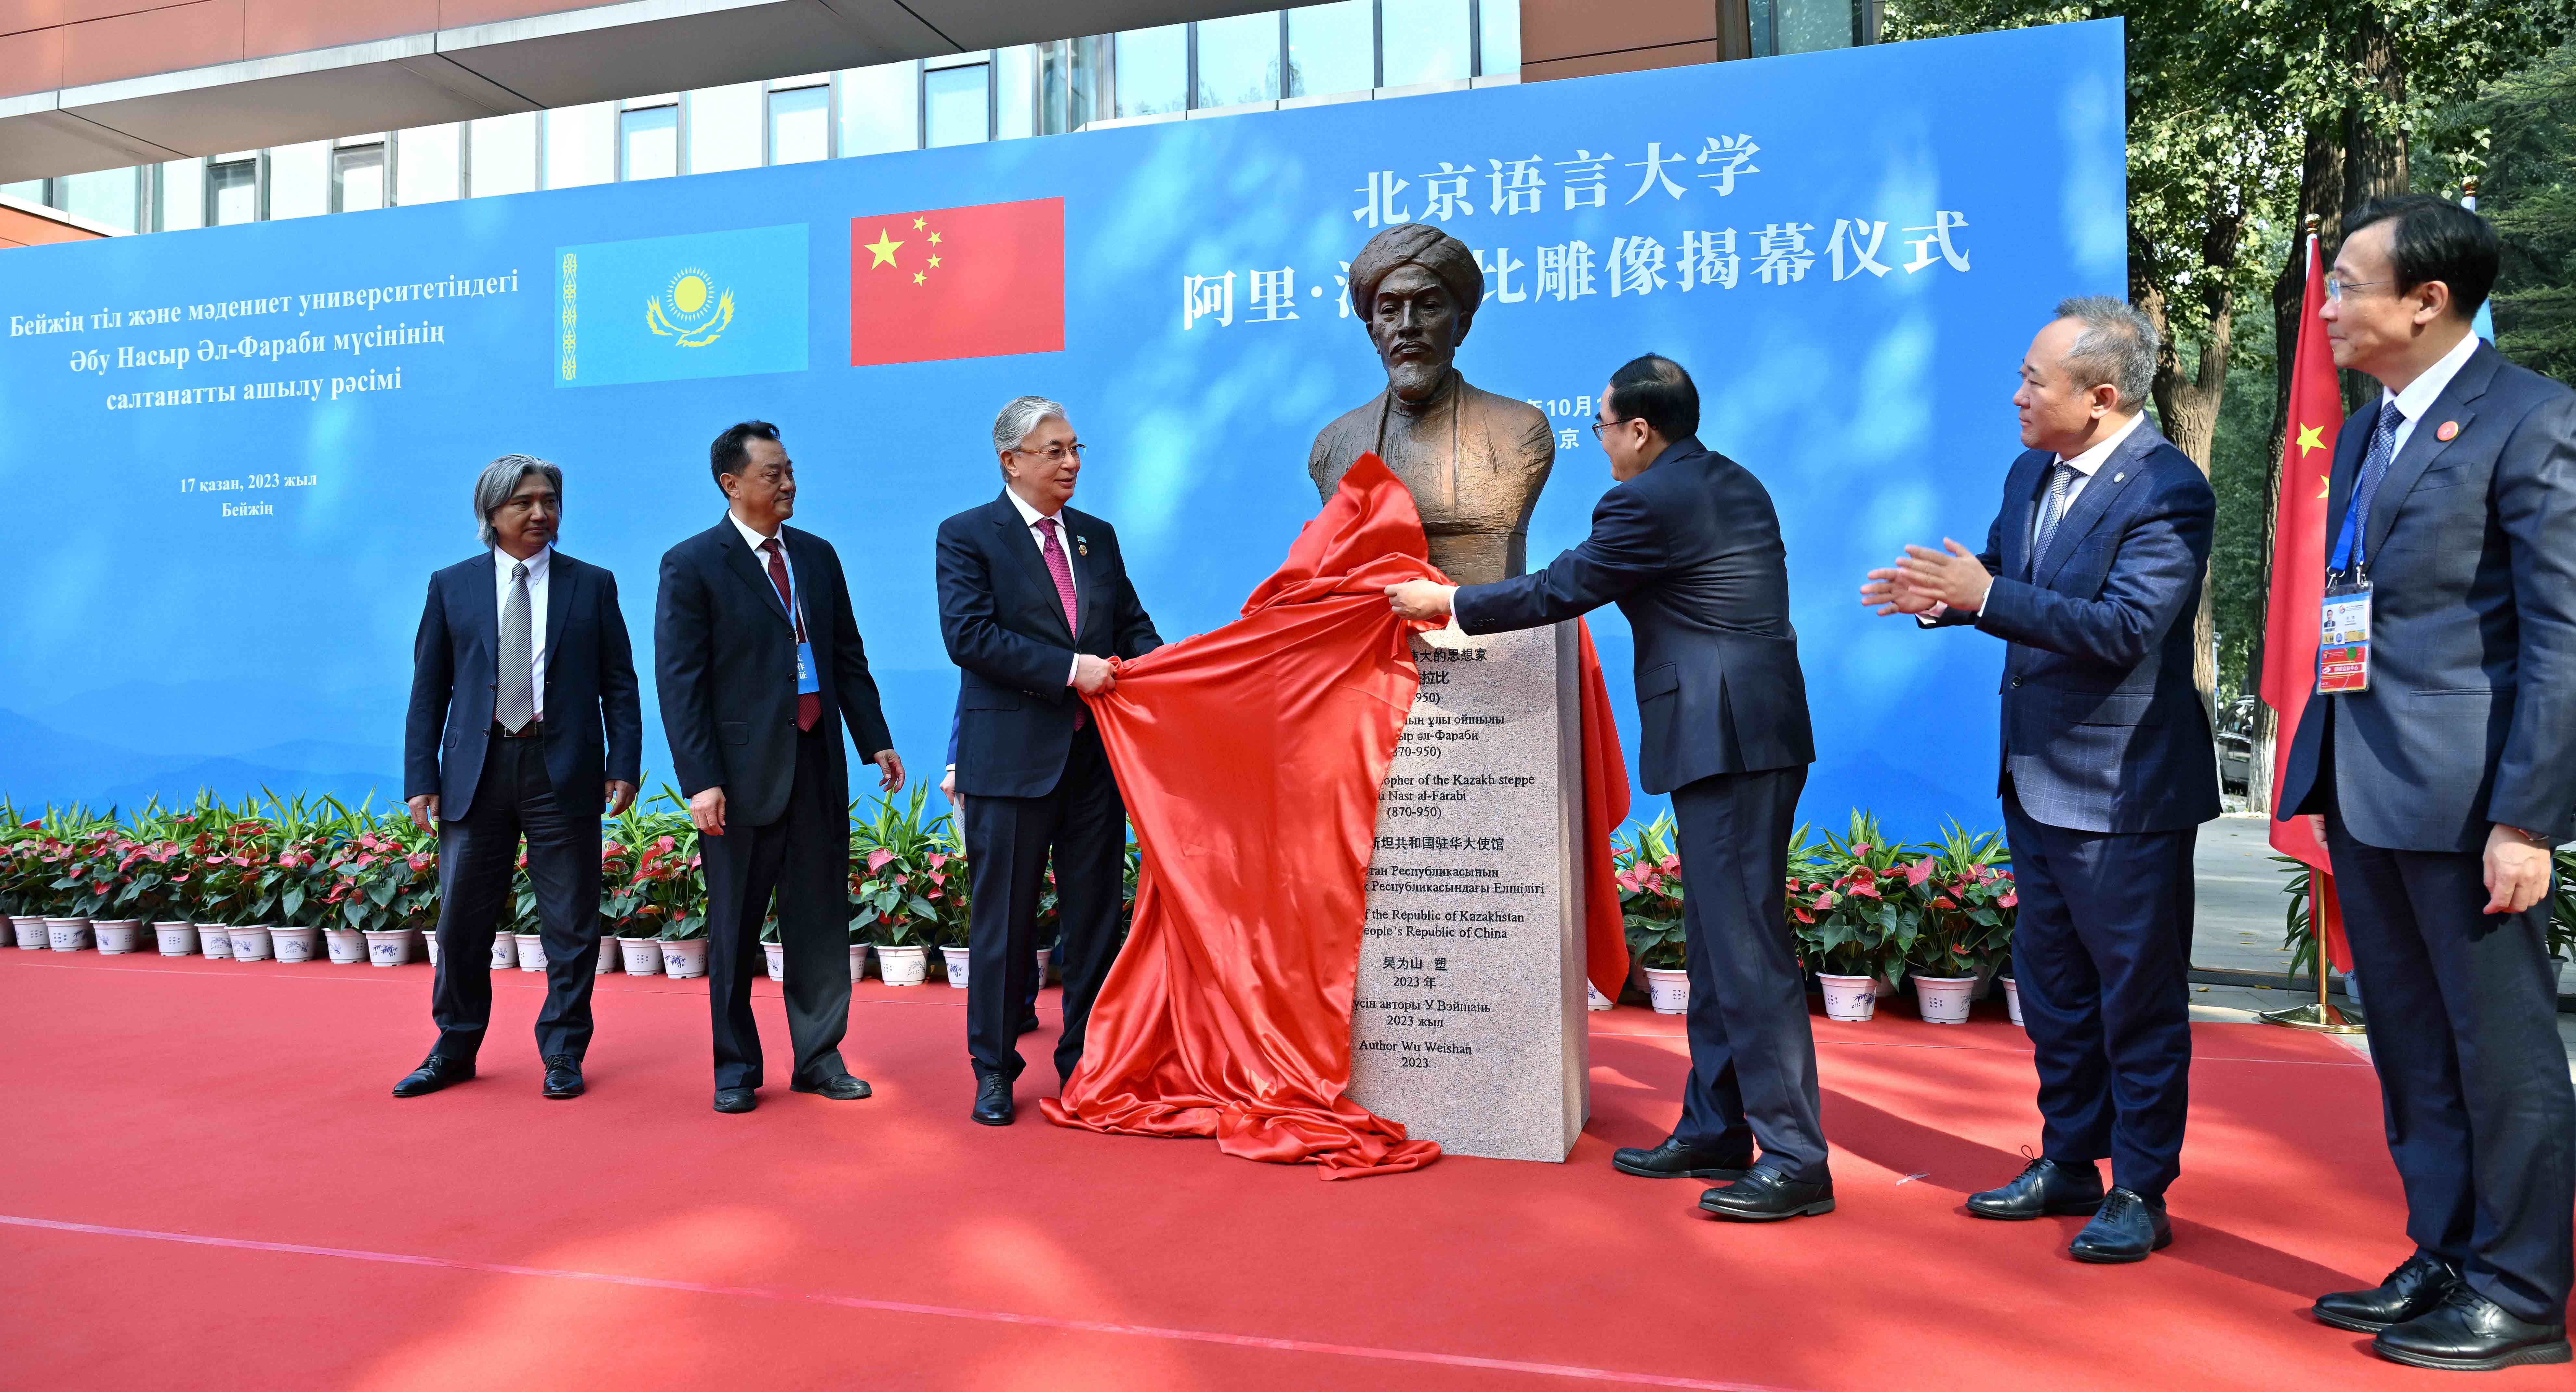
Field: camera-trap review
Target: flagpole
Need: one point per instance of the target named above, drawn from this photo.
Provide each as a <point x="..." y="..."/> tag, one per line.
<point x="2322" y="1017"/>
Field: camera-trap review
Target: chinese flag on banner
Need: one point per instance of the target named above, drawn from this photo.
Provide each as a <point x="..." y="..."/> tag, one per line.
<point x="969" y="282"/>
<point x="2299" y="578"/>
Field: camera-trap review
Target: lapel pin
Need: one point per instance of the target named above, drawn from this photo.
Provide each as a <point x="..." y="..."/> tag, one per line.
<point x="1082" y="544"/>
<point x="2448" y="431"/>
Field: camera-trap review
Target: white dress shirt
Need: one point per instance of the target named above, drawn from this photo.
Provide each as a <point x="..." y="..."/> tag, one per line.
<point x="1031" y="517"/>
<point x="759" y="557"/>
<point x="540" y="566"/>
<point x="2420" y="394"/>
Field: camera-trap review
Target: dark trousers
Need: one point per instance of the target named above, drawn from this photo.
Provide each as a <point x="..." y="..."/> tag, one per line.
<point x="2102" y="957"/>
<point x="1083" y="822"/>
<point x="804" y="858"/>
<point x="476" y="855"/>
<point x="2463" y="1024"/>
<point x="1753" y="1052"/>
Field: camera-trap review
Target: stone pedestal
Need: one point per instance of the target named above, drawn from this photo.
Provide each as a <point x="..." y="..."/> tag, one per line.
<point x="1468" y="1024"/>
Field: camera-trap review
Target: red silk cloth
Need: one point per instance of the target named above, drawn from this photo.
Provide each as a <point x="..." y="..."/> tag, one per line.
<point x="1250" y="760"/>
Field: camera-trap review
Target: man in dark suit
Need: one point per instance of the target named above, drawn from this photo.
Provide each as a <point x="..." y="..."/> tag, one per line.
<point x="758" y="661"/>
<point x="2091" y="575"/>
<point x="1033" y="602"/>
<point x="2446" y="780"/>
<point x="520" y="668"/>
<point x="1688" y="545"/>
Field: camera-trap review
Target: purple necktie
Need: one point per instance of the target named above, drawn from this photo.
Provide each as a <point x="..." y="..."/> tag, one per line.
<point x="1062" y="570"/>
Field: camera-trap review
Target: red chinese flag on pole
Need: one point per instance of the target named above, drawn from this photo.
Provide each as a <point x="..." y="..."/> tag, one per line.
<point x="2299" y="578"/>
<point x="970" y="282"/>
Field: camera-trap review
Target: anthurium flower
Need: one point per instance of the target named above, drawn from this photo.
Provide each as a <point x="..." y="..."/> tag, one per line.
<point x="1920" y="871"/>
<point x="877" y="859"/>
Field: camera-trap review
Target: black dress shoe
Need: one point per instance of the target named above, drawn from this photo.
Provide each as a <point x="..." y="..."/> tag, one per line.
<point x="1674" y="1160"/>
<point x="993" y="1100"/>
<point x="842" y="1088"/>
<point x="735" y="1099"/>
<point x="2044" y="1188"/>
<point x="2414" y="1288"/>
<point x="1765" y="1195"/>
<point x="435" y="1072"/>
<point x="2129" y="1226"/>
<point x="2468" y="1333"/>
<point x="563" y="1076"/>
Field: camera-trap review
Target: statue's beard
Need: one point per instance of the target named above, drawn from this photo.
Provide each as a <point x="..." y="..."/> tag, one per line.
<point x="1415" y="379"/>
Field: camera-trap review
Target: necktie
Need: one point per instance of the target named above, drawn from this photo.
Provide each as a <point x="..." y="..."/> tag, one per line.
<point x="2374" y="467"/>
<point x="809" y="704"/>
<point x="1062" y="570"/>
<point x="2052" y="510"/>
<point x="515" y="701"/>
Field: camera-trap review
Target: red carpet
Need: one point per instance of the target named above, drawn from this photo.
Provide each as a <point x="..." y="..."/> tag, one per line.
<point x="208" y="1187"/>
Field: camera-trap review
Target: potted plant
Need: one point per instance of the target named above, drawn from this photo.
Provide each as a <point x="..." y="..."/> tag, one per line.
<point x="25" y="880"/>
<point x="889" y="851"/>
<point x="80" y="885"/>
<point x="664" y="887"/>
<point x="527" y="931"/>
<point x="1648" y="872"/>
<point x="1966" y="907"/>
<point x="1852" y="927"/>
<point x="773" y="948"/>
<point x="157" y="885"/>
<point x="677" y="898"/>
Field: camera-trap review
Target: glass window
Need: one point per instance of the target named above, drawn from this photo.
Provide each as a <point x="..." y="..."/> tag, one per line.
<point x="179" y="193"/>
<point x="111" y="196"/>
<point x="32" y="190"/>
<point x="881" y="109"/>
<point x="501" y="155"/>
<point x="800" y="125"/>
<point x="954" y="101"/>
<point x="1238" y="60"/>
<point x="724" y="128"/>
<point x="581" y="145"/>
<point x="1015" y="92"/>
<point x="357" y="178"/>
<point x="1498" y="37"/>
<point x="1426" y="41"/>
<point x="232" y="191"/>
<point x="1330" y="49"/>
<point x="1153" y="70"/>
<point x="299" y="180"/>
<point x="429" y="164"/>
<point x="649" y="143"/>
<point x="1801" y="26"/>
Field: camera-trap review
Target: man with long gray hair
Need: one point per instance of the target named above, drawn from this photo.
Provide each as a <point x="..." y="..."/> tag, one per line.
<point x="1033" y="602"/>
<point x="2091" y="575"/>
<point x="525" y="724"/>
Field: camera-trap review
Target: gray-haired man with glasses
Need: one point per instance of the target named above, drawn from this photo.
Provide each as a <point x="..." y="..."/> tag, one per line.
<point x="525" y="724"/>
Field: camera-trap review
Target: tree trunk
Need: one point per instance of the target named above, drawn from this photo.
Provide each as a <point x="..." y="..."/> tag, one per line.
<point x="2188" y="405"/>
<point x="2374" y="144"/>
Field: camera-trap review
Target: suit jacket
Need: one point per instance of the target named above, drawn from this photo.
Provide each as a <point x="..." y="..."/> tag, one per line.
<point x="1690" y="550"/>
<point x="2470" y="718"/>
<point x="1006" y="632"/>
<point x="2103" y="729"/>
<point x="590" y="687"/>
<point x="724" y="658"/>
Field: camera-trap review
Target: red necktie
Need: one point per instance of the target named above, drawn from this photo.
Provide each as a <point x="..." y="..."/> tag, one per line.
<point x="1062" y="570"/>
<point x="809" y="704"/>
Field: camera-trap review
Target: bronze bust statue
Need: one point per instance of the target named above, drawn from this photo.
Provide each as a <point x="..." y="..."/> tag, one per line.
<point x="1473" y="461"/>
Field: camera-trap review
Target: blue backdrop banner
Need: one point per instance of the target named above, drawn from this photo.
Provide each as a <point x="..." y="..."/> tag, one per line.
<point x="239" y="452"/>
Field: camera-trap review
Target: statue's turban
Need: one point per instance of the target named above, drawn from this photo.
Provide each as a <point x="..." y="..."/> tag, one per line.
<point x="1425" y="246"/>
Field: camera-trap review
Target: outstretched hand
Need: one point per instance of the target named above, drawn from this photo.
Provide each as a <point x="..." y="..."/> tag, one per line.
<point x="1952" y="575"/>
<point x="1885" y="590"/>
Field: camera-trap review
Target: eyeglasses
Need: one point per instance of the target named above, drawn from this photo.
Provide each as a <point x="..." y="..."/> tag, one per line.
<point x="1601" y="425"/>
<point x="2336" y="287"/>
<point x="1055" y="454"/>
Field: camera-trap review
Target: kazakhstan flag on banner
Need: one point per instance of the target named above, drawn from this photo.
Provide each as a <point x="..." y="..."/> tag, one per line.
<point x="658" y="309"/>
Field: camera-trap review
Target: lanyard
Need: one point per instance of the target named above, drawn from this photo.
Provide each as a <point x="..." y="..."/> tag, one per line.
<point x="2348" y="545"/>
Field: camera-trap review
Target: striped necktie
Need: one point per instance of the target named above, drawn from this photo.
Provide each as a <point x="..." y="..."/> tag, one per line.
<point x="2374" y="467"/>
<point x="2052" y="510"/>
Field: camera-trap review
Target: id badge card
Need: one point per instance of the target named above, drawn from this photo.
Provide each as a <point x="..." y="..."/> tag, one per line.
<point x="2343" y="639"/>
<point x="806" y="682"/>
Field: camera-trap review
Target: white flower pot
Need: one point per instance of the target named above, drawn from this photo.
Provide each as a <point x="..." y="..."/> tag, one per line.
<point x="1669" y="990"/>
<point x="117" y="936"/>
<point x="215" y="941"/>
<point x="429" y="948"/>
<point x="956" y="960"/>
<point x="2012" y="998"/>
<point x="295" y="944"/>
<point x="1944" y="999"/>
<point x="505" y="952"/>
<point x="532" y="951"/>
<point x="30" y="931"/>
<point x="1594" y="1000"/>
<point x="858" y="960"/>
<point x="903" y="966"/>
<point x="777" y="955"/>
<point x="1046" y="956"/>
<point x="389" y="947"/>
<point x="684" y="958"/>
<point x="347" y="946"/>
<point x="640" y="956"/>
<point x="2352" y="988"/>
<point x="174" y="937"/>
<point x="250" y="944"/>
<point x="1849" y="997"/>
<point x="607" y="956"/>
<point x="67" y="934"/>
